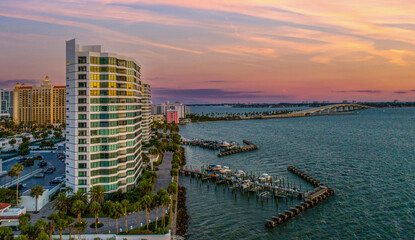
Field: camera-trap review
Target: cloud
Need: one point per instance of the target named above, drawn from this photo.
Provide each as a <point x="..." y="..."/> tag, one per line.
<point x="359" y="91"/>
<point x="9" y="84"/>
<point x="404" y="92"/>
<point x="215" y="81"/>
<point x="207" y="93"/>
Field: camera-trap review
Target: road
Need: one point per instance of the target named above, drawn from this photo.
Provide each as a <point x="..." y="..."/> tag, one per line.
<point x="163" y="174"/>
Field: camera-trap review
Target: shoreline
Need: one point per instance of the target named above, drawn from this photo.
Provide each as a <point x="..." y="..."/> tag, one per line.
<point x="274" y="117"/>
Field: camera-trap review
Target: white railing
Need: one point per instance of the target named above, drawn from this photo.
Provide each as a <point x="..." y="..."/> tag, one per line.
<point x="21" y="178"/>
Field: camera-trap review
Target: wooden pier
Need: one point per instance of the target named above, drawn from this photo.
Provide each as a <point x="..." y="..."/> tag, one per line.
<point x="314" y="197"/>
<point x="250" y="147"/>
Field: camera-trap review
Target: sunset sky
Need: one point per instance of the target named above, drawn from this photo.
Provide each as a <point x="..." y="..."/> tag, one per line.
<point x="214" y="51"/>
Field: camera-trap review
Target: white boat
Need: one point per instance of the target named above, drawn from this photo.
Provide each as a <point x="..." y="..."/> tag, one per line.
<point x="239" y="174"/>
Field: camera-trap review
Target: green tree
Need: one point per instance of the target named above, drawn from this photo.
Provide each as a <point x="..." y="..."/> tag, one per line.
<point x="80" y="227"/>
<point x="61" y="203"/>
<point x="60" y="225"/>
<point x="35" y="192"/>
<point x="107" y="209"/>
<point x="116" y="213"/>
<point x="6" y="233"/>
<point x="97" y="193"/>
<point x="12" y="142"/>
<point x="156" y="204"/>
<point x="95" y="209"/>
<point x="21" y="237"/>
<point x="146" y="202"/>
<point x="78" y="208"/>
<point x="29" y="163"/>
<point x="138" y="206"/>
<point x="171" y="189"/>
<point x="164" y="201"/>
<point x="17" y="169"/>
<point x="69" y="224"/>
<point x="125" y="203"/>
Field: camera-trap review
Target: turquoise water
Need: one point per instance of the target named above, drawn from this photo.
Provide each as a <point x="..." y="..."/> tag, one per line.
<point x="368" y="158"/>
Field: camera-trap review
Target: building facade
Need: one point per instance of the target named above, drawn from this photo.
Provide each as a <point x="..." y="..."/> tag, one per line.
<point x="181" y="109"/>
<point x="44" y="104"/>
<point x="6" y="107"/>
<point x="172" y="116"/>
<point x="103" y="119"/>
<point x="146" y="111"/>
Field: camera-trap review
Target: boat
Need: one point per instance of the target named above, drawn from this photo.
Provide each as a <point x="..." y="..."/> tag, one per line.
<point x="240" y="174"/>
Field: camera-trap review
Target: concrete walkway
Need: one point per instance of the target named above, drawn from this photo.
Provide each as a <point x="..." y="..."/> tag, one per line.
<point x="163" y="174"/>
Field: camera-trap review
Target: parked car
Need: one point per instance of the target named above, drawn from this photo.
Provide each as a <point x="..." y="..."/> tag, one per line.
<point x="39" y="175"/>
<point x="42" y="163"/>
<point x="21" y="186"/>
<point x="49" y="170"/>
<point x="56" y="181"/>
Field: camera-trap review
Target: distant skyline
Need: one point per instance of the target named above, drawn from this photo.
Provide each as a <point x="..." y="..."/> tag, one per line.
<point x="224" y="51"/>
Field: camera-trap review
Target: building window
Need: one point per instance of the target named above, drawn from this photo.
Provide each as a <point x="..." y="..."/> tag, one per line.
<point x="82" y="109"/>
<point x="82" y="92"/>
<point x="82" y="182"/>
<point x="82" y="69"/>
<point x="82" y="117"/>
<point x="82" y="133"/>
<point x="82" y="84"/>
<point x="81" y="174"/>
<point x="82" y="165"/>
<point x="81" y="76"/>
<point x="81" y="100"/>
<point x="82" y="125"/>
<point x="82" y="149"/>
<point x="81" y="60"/>
<point x="81" y="157"/>
<point x="81" y="141"/>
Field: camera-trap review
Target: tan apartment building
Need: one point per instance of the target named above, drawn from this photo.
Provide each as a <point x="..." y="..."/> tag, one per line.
<point x="44" y="104"/>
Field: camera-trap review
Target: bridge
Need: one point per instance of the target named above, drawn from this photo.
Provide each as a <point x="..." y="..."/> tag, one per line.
<point x="323" y="110"/>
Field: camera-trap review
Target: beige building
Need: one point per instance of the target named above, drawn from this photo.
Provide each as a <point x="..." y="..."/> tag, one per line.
<point x="157" y="118"/>
<point x="44" y="104"/>
<point x="146" y="112"/>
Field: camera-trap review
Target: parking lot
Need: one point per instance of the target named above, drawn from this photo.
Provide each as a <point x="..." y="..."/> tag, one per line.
<point x="52" y="160"/>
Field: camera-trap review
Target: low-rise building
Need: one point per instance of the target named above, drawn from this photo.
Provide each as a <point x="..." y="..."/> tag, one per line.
<point x="10" y="216"/>
<point x="158" y="118"/>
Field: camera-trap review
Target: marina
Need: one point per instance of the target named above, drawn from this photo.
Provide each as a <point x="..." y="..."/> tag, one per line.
<point x="265" y="186"/>
<point x="226" y="148"/>
<point x="312" y="198"/>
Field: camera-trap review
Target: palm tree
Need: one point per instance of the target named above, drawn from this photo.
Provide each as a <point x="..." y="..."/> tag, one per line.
<point x="78" y="208"/>
<point x="174" y="172"/>
<point x="18" y="168"/>
<point x="69" y="221"/>
<point x="146" y="201"/>
<point x="116" y="213"/>
<point x="125" y="203"/>
<point x="11" y="174"/>
<point x="156" y="204"/>
<point x="50" y="226"/>
<point x="97" y="193"/>
<point x="171" y="189"/>
<point x="79" y="195"/>
<point x="138" y="206"/>
<point x="95" y="209"/>
<point x="60" y="225"/>
<point x="35" y="192"/>
<point x="61" y="203"/>
<point x="107" y="207"/>
<point x="164" y="201"/>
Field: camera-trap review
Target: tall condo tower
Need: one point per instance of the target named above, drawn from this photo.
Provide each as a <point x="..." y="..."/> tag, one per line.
<point x="146" y="99"/>
<point x="104" y="118"/>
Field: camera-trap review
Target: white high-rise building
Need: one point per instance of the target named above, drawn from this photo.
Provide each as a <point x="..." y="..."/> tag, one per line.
<point x="103" y="144"/>
<point x="146" y="101"/>
<point x="6" y="107"/>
